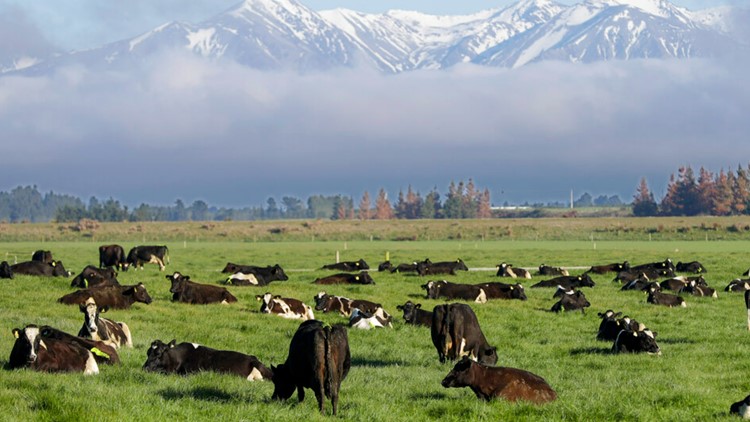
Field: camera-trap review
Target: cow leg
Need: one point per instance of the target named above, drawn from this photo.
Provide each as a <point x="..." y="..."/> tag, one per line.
<point x="320" y="397"/>
<point x="300" y="393"/>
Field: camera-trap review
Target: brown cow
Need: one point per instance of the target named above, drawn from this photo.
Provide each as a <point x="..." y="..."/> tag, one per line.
<point x="327" y="303"/>
<point x="508" y="383"/>
<point x="114" y="297"/>
<point x="112" y="256"/>
<point x="185" y="291"/>
<point x="92" y="276"/>
<point x="49" y="355"/>
<point x="344" y="278"/>
<point x="319" y="359"/>
<point x="103" y="352"/>
<point x="456" y="333"/>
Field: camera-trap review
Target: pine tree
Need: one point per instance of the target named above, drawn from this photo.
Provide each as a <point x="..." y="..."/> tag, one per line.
<point x="431" y="205"/>
<point x="644" y="204"/>
<point x="413" y="204"/>
<point x="400" y="210"/>
<point x="669" y="204"/>
<point x="383" y="210"/>
<point x="365" y="213"/>
<point x="452" y="206"/>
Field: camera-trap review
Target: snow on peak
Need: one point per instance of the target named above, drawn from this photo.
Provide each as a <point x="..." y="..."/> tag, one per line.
<point x="437" y="21"/>
<point x="652" y="7"/>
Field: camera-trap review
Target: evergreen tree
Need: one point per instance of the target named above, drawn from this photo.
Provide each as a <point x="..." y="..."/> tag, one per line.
<point x="644" y="204"/>
<point x="400" y="210"/>
<point x="431" y="205"/>
<point x="452" y="206"/>
<point x="469" y="201"/>
<point x="706" y="191"/>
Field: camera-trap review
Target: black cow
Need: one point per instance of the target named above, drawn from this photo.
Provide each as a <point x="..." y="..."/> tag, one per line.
<point x="738" y="285"/>
<point x="639" y="283"/>
<point x="414" y="315"/>
<point x="664" y="299"/>
<point x="456" y="332"/>
<point x="140" y="255"/>
<point x="351" y="266"/>
<point x="408" y="268"/>
<point x="5" y="270"/>
<point x="651" y="273"/>
<point x="113" y="297"/>
<point x="662" y="265"/>
<point x="450" y="291"/>
<point x="636" y="341"/>
<point x="49" y="355"/>
<point x="508" y="270"/>
<point x="552" y="271"/>
<point x="318" y="359"/>
<point x="344" y="278"/>
<point x="115" y="334"/>
<point x="385" y="266"/>
<point x="43" y="269"/>
<point x="690" y="267"/>
<point x="189" y="358"/>
<point x="568" y="282"/>
<point x="499" y="382"/>
<point x="503" y="291"/>
<point x="92" y="276"/>
<point x="609" y="268"/>
<point x="444" y="267"/>
<point x="112" y="256"/>
<point x="610" y="325"/>
<point x="571" y="302"/>
<point x="747" y="305"/>
<point x="674" y="284"/>
<point x="186" y="291"/>
<point x="42" y="256"/>
<point x="329" y="303"/>
<point x="696" y="289"/>
<point x="741" y="408"/>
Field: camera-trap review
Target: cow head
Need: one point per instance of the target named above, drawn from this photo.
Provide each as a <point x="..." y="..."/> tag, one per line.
<point x="322" y="299"/>
<point x="5" y="271"/>
<point x="58" y="269"/>
<point x="26" y="347"/>
<point x="178" y="282"/>
<point x="279" y="273"/>
<point x="362" y="265"/>
<point x="90" y="314"/>
<point x="585" y="280"/>
<point x="409" y="308"/>
<point x="158" y="358"/>
<point x="432" y="287"/>
<point x="461" y="375"/>
<point x="283" y="382"/>
<point x="139" y="293"/>
<point x="266" y="299"/>
<point x="487" y="355"/>
<point x="230" y="268"/>
<point x="460" y="265"/>
<point x="646" y="342"/>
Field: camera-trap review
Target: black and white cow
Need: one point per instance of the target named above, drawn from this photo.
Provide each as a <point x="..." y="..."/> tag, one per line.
<point x="140" y="255"/>
<point x="49" y="355"/>
<point x="568" y="282"/>
<point x="571" y="301"/>
<point x="741" y="408"/>
<point x="189" y="358"/>
<point x="42" y="269"/>
<point x="547" y="270"/>
<point x="344" y="278"/>
<point x="5" y="271"/>
<point x="696" y="289"/>
<point x="690" y="267"/>
<point x="445" y="289"/>
<point x="638" y="341"/>
<point x="444" y="267"/>
<point x="330" y="303"/>
<point x="116" y="334"/>
<point x="456" y="332"/>
<point x="664" y="299"/>
<point x="738" y="285"/>
<point x="186" y="291"/>
<point x="243" y="275"/>
<point x="284" y="307"/>
<point x="365" y="321"/>
<point x="92" y="276"/>
<point x="351" y="266"/>
<point x="609" y="268"/>
<point x="508" y="270"/>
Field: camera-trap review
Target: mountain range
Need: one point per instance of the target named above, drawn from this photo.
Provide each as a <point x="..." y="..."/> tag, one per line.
<point x="285" y="34"/>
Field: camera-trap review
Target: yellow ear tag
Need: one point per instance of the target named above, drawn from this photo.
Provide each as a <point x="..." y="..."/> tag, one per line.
<point x="85" y="283"/>
<point x="54" y="263"/>
<point x="356" y="277"/>
<point x="99" y="353"/>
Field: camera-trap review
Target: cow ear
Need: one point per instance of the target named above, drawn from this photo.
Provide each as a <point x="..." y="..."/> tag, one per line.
<point x="186" y="277"/>
<point x="654" y="333"/>
<point x="172" y="343"/>
<point x="418" y="305"/>
<point x="103" y="309"/>
<point x="16" y="332"/>
<point x="258" y="297"/>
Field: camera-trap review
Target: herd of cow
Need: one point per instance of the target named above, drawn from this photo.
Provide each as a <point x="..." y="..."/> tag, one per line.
<point x="319" y="356"/>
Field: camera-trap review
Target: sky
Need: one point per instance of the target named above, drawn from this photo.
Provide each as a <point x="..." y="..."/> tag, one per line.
<point x="190" y="129"/>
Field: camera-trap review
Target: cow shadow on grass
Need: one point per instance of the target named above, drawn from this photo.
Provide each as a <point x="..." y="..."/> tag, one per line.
<point x="198" y="393"/>
<point x="678" y="340"/>
<point x="375" y="363"/>
<point x="428" y="396"/>
<point x="591" y="351"/>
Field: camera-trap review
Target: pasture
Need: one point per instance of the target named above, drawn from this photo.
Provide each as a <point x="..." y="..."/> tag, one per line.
<point x="395" y="372"/>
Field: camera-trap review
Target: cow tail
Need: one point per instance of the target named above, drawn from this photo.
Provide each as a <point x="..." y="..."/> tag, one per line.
<point x="167" y="250"/>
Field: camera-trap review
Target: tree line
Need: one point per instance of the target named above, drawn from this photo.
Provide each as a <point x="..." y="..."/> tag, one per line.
<point x="722" y="193"/>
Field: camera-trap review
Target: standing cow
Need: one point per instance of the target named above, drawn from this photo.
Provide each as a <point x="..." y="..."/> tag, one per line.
<point x="318" y="359"/>
<point x="140" y="255"/>
<point x="456" y="333"/>
<point x="112" y="256"/>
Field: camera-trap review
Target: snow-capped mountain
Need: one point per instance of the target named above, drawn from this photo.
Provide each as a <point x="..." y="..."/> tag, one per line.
<point x="273" y="34"/>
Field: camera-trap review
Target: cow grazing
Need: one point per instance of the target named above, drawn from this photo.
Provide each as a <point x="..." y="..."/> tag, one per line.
<point x="568" y="282"/>
<point x="42" y="256"/>
<point x="140" y="255"/>
<point x="5" y="270"/>
<point x="741" y="408"/>
<point x="444" y="267"/>
<point x="284" y="307"/>
<point x="318" y="359"/>
<point x="455" y="333"/>
<point x="344" y="278"/>
<point x="112" y="256"/>
<point x="664" y="299"/>
<point x="507" y="270"/>
<point x="694" y="267"/>
<point x="609" y="268"/>
<point x="503" y="291"/>
<point x="104" y="354"/>
<point x="189" y="358"/>
<point x="450" y="291"/>
<point x="546" y="270"/>
<point x="738" y="285"/>
<point x="350" y="266"/>
<point x="262" y="275"/>
<point x="499" y="382"/>
<point x="414" y="315"/>
<point x="185" y="291"/>
<point x="92" y="276"/>
<point x="113" y="297"/>
<point x="115" y="334"/>
<point x="42" y="269"/>
<point x="49" y="355"/>
<point x="636" y="341"/>
<point x="365" y="321"/>
<point x="571" y="302"/>
<point x="329" y="303"/>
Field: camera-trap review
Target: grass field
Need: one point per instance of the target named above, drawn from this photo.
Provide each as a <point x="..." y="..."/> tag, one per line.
<point x="395" y="374"/>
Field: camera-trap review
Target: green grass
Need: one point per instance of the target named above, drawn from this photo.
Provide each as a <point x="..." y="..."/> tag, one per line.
<point x="395" y="374"/>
